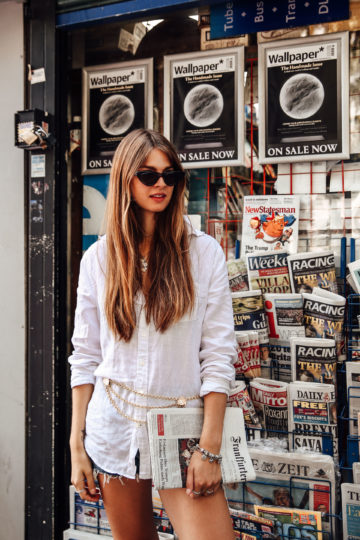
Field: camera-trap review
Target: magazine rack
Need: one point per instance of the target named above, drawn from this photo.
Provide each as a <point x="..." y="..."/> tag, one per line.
<point x="334" y="519"/>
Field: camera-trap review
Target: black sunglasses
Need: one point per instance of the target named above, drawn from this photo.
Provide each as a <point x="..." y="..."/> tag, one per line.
<point x="149" y="178"/>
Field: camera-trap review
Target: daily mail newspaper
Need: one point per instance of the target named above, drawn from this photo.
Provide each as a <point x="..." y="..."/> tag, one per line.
<point x="313" y="360"/>
<point x="353" y="394"/>
<point x="289" y="479"/>
<point x="350" y="497"/>
<point x="291" y="521"/>
<point x="285" y="315"/>
<point x="309" y="270"/>
<point x="271" y="404"/>
<point x="312" y="417"/>
<point x="270" y="222"/>
<point x="173" y="434"/>
<point x="268" y="271"/>
<point x="324" y="317"/>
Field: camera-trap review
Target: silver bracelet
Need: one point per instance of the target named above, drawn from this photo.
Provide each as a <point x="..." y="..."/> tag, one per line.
<point x="205" y="454"/>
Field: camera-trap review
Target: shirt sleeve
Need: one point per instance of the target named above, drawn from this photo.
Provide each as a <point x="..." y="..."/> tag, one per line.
<point x="86" y="355"/>
<point x="218" y="344"/>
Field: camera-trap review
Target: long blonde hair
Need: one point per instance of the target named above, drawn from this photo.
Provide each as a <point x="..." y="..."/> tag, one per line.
<point x="171" y="290"/>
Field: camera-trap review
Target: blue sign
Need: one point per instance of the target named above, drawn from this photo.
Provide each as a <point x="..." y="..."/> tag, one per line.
<point x="236" y="18"/>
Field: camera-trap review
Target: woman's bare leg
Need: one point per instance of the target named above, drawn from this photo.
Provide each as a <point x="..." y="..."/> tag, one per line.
<point x="128" y="506"/>
<point x="203" y="518"/>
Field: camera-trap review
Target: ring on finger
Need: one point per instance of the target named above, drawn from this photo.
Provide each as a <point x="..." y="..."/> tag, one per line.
<point x="196" y="492"/>
<point x="79" y="490"/>
<point x="209" y="492"/>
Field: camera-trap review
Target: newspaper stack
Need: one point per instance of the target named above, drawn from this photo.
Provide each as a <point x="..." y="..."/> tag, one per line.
<point x="312" y="417"/>
<point x="249" y="314"/>
<point x="285" y="315"/>
<point x="353" y="394"/>
<point x="313" y="360"/>
<point x="309" y="270"/>
<point x="268" y="271"/>
<point x="173" y="434"/>
<point x="239" y="397"/>
<point x="248" y="354"/>
<point x="292" y="480"/>
<point x="271" y="404"/>
<point x="324" y="317"/>
<point x="238" y="276"/>
<point x="350" y="497"/>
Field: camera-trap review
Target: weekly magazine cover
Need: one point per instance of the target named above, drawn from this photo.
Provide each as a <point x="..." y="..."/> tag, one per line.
<point x="268" y="272"/>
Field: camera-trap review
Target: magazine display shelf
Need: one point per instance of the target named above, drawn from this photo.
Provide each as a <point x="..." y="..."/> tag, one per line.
<point x="334" y="519"/>
<point x="98" y="529"/>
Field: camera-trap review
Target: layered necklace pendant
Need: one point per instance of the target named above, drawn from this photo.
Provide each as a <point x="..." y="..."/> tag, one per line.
<point x="144" y="264"/>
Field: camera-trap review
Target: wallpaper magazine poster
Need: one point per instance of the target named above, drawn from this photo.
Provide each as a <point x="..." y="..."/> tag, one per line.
<point x="304" y="99"/>
<point x="116" y="100"/>
<point x="204" y="106"/>
<point x="270" y="223"/>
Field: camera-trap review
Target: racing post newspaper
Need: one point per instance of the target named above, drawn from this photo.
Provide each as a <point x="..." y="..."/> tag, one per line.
<point x="271" y="405"/>
<point x="313" y="360"/>
<point x="312" y="417"/>
<point x="285" y="315"/>
<point x="305" y="481"/>
<point x="309" y="270"/>
<point x="173" y="435"/>
<point x="324" y="317"/>
<point x="350" y="497"/>
<point x="268" y="272"/>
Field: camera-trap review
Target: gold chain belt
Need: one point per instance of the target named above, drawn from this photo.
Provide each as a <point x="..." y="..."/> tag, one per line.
<point x="110" y="391"/>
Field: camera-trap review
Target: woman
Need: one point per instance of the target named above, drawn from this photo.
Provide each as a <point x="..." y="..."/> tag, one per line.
<point x="153" y="324"/>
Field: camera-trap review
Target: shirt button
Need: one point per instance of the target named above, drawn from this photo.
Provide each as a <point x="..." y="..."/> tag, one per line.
<point x="142" y="364"/>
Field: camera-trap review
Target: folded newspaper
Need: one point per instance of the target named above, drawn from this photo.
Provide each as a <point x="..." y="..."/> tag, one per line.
<point x="350" y="497"/>
<point x="268" y="271"/>
<point x="302" y="480"/>
<point x="309" y="270"/>
<point x="173" y="434"/>
<point x="324" y="317"/>
<point x="313" y="360"/>
<point x="312" y="417"/>
<point x="285" y="315"/>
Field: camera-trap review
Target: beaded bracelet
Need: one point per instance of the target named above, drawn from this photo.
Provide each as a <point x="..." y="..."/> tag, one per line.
<point x="208" y="455"/>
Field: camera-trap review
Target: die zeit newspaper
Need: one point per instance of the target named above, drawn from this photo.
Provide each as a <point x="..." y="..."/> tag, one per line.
<point x="324" y="317"/>
<point x="173" y="434"/>
<point x="312" y="417"/>
<point x="270" y="223"/>
<point x="313" y="360"/>
<point x="291" y="480"/>
<point x="350" y="497"/>
<point x="309" y="270"/>
<point x="268" y="272"/>
<point x="270" y="402"/>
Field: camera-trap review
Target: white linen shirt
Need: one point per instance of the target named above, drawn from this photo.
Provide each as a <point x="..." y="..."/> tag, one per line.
<point x="195" y="356"/>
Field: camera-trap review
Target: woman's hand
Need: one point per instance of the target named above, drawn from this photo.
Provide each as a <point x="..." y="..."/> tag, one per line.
<point x="203" y="477"/>
<point x="82" y="475"/>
